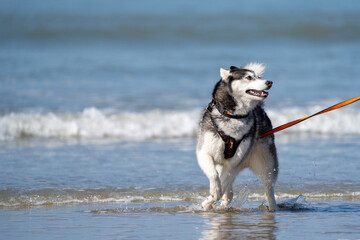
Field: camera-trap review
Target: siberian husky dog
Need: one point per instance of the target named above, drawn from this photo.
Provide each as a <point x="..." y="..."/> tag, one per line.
<point x="229" y="135"/>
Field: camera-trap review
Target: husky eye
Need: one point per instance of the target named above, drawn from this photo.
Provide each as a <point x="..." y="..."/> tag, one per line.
<point x="249" y="78"/>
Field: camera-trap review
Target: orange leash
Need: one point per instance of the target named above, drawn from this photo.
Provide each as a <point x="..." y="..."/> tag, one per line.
<point x="287" y="125"/>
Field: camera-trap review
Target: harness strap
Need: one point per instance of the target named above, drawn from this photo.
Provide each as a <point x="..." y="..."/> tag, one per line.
<point x="231" y="144"/>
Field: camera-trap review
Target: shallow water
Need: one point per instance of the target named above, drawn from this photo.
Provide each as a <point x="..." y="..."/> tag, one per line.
<point x="74" y="172"/>
<point x="319" y="220"/>
<point x="111" y="190"/>
<point x="99" y="110"/>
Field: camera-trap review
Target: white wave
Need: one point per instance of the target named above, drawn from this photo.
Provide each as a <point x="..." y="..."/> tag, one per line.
<point x="37" y="199"/>
<point x="95" y="123"/>
<point x="71" y="196"/>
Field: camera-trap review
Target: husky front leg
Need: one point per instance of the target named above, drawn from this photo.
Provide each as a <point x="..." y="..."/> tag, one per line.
<point x="227" y="177"/>
<point x="207" y="164"/>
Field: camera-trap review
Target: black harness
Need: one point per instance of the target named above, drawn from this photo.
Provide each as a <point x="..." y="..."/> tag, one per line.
<point x="231" y="144"/>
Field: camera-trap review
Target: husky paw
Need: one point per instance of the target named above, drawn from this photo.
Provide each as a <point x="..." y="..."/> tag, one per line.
<point x="208" y="204"/>
<point x="227" y="198"/>
<point x="272" y="208"/>
<point x="224" y="205"/>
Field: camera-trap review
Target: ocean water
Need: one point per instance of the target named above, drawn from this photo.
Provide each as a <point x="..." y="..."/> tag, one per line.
<point x="99" y="111"/>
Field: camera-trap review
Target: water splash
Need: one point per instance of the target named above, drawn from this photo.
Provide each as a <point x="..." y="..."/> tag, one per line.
<point x="295" y="204"/>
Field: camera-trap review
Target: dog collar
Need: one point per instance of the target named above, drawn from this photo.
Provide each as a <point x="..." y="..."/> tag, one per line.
<point x="223" y="111"/>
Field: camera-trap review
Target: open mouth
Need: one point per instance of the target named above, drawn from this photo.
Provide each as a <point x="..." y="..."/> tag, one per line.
<point x="257" y="93"/>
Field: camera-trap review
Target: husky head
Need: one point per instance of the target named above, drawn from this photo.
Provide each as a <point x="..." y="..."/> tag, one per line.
<point x="242" y="85"/>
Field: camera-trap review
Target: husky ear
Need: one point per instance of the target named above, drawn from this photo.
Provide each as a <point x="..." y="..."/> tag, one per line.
<point x="233" y="68"/>
<point x="224" y="74"/>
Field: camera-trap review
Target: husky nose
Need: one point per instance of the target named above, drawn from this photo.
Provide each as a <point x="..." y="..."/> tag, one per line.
<point x="269" y="83"/>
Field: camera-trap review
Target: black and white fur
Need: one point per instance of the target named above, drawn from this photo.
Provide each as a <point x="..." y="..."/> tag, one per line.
<point x="241" y="91"/>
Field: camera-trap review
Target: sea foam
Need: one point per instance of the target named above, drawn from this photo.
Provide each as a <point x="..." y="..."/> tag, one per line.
<point x="94" y="123"/>
<point x="159" y="124"/>
<point x="10" y="198"/>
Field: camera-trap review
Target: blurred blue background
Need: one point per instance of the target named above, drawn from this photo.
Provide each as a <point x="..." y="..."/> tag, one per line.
<point x="138" y="56"/>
